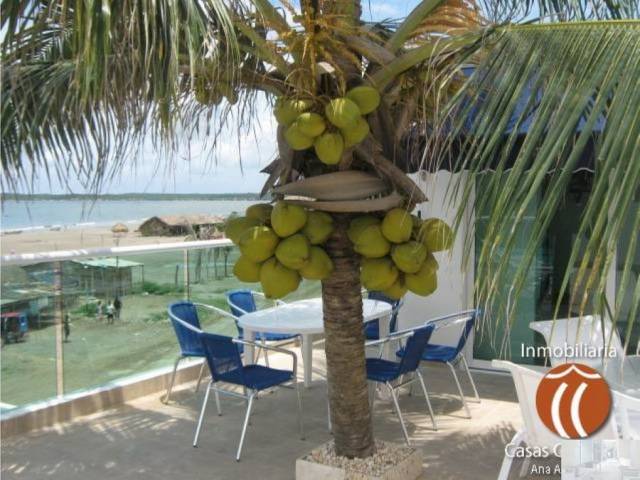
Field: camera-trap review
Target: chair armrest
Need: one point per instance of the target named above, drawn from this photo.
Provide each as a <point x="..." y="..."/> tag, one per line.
<point x="186" y="325"/>
<point x="450" y="320"/>
<point x="270" y="347"/>
<point x="396" y="336"/>
<point x="217" y="310"/>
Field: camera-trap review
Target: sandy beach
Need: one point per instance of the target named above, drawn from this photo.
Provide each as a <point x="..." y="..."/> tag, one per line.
<point x="68" y="238"/>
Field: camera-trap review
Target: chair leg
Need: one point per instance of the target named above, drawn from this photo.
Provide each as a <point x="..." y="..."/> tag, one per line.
<point x="524" y="470"/>
<point x="329" y="427"/>
<point x="200" y="376"/>
<point x="266" y="356"/>
<point x="245" y="392"/>
<point x="300" y="410"/>
<point x="507" y="460"/>
<point x="244" y="427"/>
<point x="173" y="379"/>
<point x="218" y="407"/>
<point x="202" y="410"/>
<point x="411" y="389"/>
<point x="397" y="406"/>
<point x="473" y="384"/>
<point x="464" y="401"/>
<point x="426" y="396"/>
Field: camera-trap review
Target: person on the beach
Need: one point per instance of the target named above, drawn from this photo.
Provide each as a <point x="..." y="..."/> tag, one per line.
<point x="110" y="312"/>
<point x="117" y="305"/>
<point x="66" y="327"/>
<point x="100" y="311"/>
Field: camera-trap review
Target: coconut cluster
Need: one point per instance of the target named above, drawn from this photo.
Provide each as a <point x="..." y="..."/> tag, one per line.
<point x="342" y="126"/>
<point x="280" y="245"/>
<point x="397" y="251"/>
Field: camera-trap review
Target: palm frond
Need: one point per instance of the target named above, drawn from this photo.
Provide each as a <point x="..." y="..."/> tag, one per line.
<point x="84" y="82"/>
<point x="543" y="95"/>
<point x="560" y="10"/>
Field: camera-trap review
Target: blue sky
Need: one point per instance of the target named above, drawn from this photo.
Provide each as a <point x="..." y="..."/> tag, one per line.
<point x="193" y="170"/>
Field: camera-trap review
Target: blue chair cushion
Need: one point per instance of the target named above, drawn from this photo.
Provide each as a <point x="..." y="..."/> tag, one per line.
<point x="372" y="330"/>
<point x="189" y="341"/>
<point x="257" y="377"/>
<point x="380" y="370"/>
<point x="435" y="353"/>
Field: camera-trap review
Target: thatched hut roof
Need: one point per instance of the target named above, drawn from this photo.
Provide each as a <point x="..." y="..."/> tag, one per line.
<point x="120" y="228"/>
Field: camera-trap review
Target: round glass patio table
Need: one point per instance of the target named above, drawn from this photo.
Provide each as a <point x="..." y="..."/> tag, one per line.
<point x="304" y="318"/>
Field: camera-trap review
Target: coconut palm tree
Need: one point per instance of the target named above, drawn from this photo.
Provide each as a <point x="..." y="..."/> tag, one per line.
<point x="85" y="82"/>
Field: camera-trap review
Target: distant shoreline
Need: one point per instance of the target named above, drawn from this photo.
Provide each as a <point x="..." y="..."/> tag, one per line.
<point x="131" y="196"/>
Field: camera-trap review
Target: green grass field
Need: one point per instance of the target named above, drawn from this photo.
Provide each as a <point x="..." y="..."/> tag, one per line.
<point x="141" y="340"/>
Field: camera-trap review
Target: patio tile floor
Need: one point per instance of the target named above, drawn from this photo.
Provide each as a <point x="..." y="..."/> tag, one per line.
<point x="146" y="439"/>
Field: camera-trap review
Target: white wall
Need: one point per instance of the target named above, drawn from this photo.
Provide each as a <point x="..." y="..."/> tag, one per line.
<point x="455" y="285"/>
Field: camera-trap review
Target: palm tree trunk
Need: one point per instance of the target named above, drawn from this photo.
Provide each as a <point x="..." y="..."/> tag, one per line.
<point x="344" y="347"/>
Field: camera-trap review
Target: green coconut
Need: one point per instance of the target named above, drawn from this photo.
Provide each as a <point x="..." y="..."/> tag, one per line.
<point x="342" y="112"/>
<point x="397" y="225"/>
<point x="367" y="98"/>
<point x="296" y="139"/>
<point x="246" y="270"/>
<point x="329" y="147"/>
<point x="287" y="110"/>
<point x="397" y="290"/>
<point x="358" y="224"/>
<point x="277" y="280"/>
<point x="287" y="219"/>
<point x="236" y="226"/>
<point x="258" y="243"/>
<point x="371" y="243"/>
<point x="293" y="251"/>
<point x="311" y="124"/>
<point x="409" y="256"/>
<point x="355" y="135"/>
<point x="378" y="273"/>
<point x="425" y="281"/>
<point x="430" y="262"/>
<point x="318" y="227"/>
<point x="319" y="265"/>
<point x="260" y="212"/>
<point x="436" y="235"/>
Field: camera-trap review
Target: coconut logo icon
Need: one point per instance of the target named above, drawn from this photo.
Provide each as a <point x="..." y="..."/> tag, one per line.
<point x="573" y="400"/>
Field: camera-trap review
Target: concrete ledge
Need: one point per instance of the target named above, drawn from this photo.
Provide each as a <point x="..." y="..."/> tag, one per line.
<point x="407" y="467"/>
<point x="64" y="409"/>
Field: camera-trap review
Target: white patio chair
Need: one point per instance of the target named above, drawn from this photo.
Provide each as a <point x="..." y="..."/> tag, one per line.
<point x="586" y="330"/>
<point x="534" y="433"/>
<point x="627" y="414"/>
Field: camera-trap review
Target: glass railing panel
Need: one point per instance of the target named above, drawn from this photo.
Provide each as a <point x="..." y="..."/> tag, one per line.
<point x="28" y="354"/>
<point x="117" y="317"/>
<point x="111" y="321"/>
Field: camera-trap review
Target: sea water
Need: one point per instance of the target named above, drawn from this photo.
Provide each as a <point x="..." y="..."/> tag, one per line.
<point x="46" y="214"/>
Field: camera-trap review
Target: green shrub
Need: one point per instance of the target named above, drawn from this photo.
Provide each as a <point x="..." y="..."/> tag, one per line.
<point x="154" y="288"/>
<point x="86" y="310"/>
